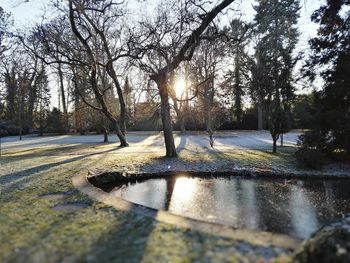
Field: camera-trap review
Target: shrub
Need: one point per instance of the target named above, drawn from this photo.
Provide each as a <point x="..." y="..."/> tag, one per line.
<point x="310" y="157"/>
<point x="3" y="133"/>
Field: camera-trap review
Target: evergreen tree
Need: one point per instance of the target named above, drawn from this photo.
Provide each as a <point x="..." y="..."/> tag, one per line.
<point x="239" y="34"/>
<point x="43" y="102"/>
<point x="331" y="54"/>
<point x="276" y="26"/>
<point x="55" y="122"/>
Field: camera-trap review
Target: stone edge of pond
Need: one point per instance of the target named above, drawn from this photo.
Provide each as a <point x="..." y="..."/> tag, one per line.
<point x="101" y="178"/>
<point x="81" y="182"/>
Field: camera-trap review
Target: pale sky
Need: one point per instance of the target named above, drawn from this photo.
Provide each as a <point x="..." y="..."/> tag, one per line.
<point x="26" y="13"/>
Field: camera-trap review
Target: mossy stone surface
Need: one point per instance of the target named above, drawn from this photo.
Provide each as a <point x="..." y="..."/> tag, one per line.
<point x="331" y="244"/>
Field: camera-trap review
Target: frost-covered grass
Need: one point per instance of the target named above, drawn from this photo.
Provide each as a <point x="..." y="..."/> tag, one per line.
<point x="31" y="231"/>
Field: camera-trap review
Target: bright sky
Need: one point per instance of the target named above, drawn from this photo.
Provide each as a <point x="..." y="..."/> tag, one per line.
<point x="26" y="12"/>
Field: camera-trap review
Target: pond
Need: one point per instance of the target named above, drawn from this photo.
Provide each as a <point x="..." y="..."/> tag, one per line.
<point x="296" y="207"/>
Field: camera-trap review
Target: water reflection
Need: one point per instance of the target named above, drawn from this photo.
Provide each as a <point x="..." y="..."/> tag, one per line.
<point x="294" y="207"/>
<point x="183" y="193"/>
<point x="303" y="213"/>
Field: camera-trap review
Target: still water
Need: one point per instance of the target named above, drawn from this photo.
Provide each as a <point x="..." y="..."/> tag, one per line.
<point x="294" y="207"/>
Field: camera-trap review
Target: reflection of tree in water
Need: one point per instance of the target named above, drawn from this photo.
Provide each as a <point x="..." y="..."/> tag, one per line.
<point x="272" y="204"/>
<point x="227" y="201"/>
<point x="303" y="212"/>
<point x="235" y="202"/>
<point x="295" y="207"/>
<point x="170" y="185"/>
<point x="330" y="198"/>
<point x="251" y="212"/>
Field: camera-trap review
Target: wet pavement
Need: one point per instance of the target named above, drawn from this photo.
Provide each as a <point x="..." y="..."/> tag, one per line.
<point x="296" y="207"/>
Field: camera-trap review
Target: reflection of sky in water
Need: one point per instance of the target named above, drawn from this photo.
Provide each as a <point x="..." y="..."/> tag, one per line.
<point x="183" y="195"/>
<point x="150" y="193"/>
<point x="251" y="211"/>
<point x="293" y="207"/>
<point x="303" y="213"/>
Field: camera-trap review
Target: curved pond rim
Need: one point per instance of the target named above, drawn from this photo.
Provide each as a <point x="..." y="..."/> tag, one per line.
<point x="85" y="182"/>
<point x="105" y="180"/>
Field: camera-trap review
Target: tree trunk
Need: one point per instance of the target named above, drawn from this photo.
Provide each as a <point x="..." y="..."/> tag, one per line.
<point x="211" y="139"/>
<point x="20" y="124"/>
<point x="260" y="114"/>
<point x="41" y="124"/>
<point x="20" y="113"/>
<point x="41" y="129"/>
<point x="182" y="124"/>
<point x="282" y="140"/>
<point x="274" y="150"/>
<point x="237" y="91"/>
<point x="166" y="119"/>
<point x="121" y="137"/>
<point x="105" y="111"/>
<point x="31" y="102"/>
<point x="180" y="114"/>
<point x="63" y="97"/>
<point x="111" y="72"/>
<point x="105" y="134"/>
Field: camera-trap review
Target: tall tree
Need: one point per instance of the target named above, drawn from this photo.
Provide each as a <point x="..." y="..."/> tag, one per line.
<point x="205" y="65"/>
<point x="331" y="57"/>
<point x="23" y="74"/>
<point x="5" y="22"/>
<point x="239" y="36"/>
<point x="172" y="39"/>
<point x="277" y="29"/>
<point x="88" y="34"/>
<point x="85" y="20"/>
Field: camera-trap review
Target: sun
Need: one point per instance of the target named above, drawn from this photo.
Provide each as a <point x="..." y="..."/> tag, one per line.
<point x="180" y="87"/>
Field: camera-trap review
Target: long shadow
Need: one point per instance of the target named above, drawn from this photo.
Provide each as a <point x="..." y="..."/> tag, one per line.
<point x="8" y="178"/>
<point x="182" y="144"/>
<point x="48" y="151"/>
<point x="59" y="140"/>
<point x="127" y="242"/>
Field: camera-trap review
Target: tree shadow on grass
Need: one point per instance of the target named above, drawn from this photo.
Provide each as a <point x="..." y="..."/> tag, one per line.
<point x="50" y="147"/>
<point x="128" y="240"/>
<point x="124" y="242"/>
<point x="182" y="144"/>
<point x="11" y="180"/>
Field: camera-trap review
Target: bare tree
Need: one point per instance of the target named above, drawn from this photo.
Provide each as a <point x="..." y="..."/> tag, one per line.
<point x="90" y="37"/>
<point x="79" y="18"/>
<point x="170" y="41"/>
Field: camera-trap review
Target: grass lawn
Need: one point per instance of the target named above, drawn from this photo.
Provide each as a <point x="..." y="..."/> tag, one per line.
<point x="32" y="230"/>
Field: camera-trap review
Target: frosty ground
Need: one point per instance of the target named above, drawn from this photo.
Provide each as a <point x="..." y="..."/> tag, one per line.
<point x="153" y="141"/>
<point x="35" y="180"/>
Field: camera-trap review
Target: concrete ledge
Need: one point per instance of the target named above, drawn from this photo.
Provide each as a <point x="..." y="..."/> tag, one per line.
<point x="81" y="182"/>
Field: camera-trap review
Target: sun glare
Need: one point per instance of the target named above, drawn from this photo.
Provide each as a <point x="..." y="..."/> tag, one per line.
<point x="183" y="193"/>
<point x="180" y="87"/>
